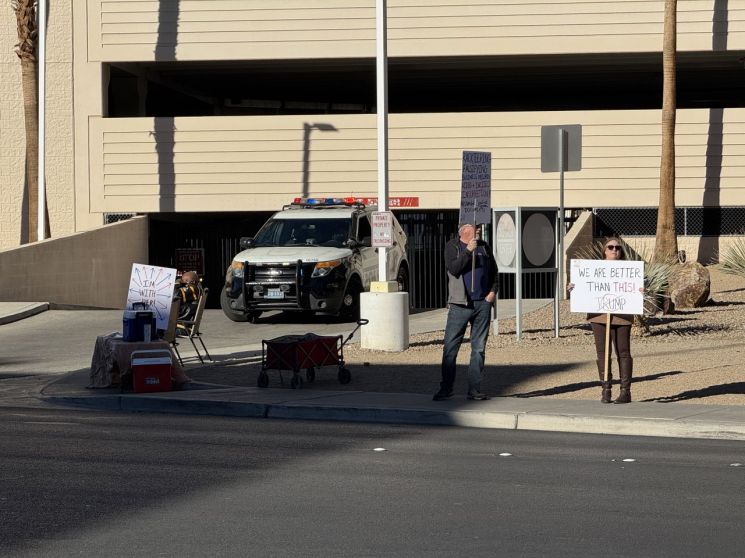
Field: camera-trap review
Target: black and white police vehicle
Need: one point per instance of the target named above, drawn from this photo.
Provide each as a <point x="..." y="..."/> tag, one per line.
<point x="314" y="256"/>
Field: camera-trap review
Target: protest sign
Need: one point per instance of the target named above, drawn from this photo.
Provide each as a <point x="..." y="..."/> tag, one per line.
<point x="152" y="286"/>
<point x="607" y="287"/>
<point x="475" y="191"/>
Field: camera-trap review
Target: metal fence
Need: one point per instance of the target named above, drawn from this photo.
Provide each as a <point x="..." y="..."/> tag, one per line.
<point x="219" y="236"/>
<point x="535" y="284"/>
<point x="109" y="218"/>
<point x="689" y="221"/>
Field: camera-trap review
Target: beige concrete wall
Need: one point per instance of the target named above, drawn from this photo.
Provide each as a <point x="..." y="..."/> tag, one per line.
<point x="59" y="128"/>
<point x="257" y="163"/>
<point x="217" y="29"/>
<point x="88" y="269"/>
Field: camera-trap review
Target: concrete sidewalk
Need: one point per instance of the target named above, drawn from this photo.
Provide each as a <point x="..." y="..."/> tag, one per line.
<point x="638" y="419"/>
<point x="534" y="413"/>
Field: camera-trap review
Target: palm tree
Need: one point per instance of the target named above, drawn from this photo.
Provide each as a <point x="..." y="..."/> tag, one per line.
<point x="26" y="50"/>
<point x="666" y="242"/>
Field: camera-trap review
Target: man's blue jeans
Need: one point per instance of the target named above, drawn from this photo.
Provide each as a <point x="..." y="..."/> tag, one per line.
<point x="458" y="319"/>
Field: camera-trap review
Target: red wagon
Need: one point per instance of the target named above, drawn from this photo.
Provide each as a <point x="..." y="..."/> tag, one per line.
<point x="304" y="352"/>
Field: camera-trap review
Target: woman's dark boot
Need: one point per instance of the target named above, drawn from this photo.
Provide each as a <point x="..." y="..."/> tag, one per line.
<point x="606" y="393"/>
<point x="625" y="370"/>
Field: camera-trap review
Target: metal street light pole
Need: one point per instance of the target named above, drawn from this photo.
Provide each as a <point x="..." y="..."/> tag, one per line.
<point x="381" y="65"/>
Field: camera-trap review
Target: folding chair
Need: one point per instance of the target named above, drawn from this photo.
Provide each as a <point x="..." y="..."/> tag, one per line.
<point x="191" y="327"/>
<point x="169" y="334"/>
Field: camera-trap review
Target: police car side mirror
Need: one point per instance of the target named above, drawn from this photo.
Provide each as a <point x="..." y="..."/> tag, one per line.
<point x="352" y="244"/>
<point x="247" y="242"/>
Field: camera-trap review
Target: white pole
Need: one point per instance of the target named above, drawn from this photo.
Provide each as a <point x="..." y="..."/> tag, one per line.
<point x="381" y="63"/>
<point x="41" y="69"/>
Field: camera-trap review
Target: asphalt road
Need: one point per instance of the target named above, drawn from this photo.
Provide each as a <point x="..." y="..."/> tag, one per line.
<point x="100" y="484"/>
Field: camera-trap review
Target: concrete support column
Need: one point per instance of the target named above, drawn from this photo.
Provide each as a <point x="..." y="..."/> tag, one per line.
<point x="388" y="312"/>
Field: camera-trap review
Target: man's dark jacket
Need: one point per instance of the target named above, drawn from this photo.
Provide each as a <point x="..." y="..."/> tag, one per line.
<point x="458" y="262"/>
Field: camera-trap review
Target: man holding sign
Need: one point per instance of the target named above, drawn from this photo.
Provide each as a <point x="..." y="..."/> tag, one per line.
<point x="610" y="291"/>
<point x="472" y="291"/>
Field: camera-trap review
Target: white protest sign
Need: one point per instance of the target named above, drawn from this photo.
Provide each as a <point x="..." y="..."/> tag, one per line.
<point x="152" y="286"/>
<point x="475" y="189"/>
<point x="607" y="287"/>
<point x="382" y="229"/>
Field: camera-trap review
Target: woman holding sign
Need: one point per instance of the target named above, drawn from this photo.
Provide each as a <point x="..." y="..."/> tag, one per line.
<point x="620" y="336"/>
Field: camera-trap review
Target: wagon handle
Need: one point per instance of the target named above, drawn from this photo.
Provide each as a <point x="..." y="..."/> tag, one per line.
<point x="360" y="322"/>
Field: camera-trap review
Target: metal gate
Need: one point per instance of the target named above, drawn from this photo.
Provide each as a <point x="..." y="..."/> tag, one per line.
<point x="219" y="235"/>
<point x="427" y="233"/>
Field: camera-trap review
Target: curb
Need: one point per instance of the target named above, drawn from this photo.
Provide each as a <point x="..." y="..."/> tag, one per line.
<point x="505" y="420"/>
<point x="25" y="312"/>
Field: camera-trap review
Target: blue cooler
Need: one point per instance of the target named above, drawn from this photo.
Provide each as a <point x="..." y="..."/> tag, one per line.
<point x="139" y="325"/>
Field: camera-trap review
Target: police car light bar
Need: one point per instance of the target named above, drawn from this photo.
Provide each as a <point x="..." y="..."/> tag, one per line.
<point x="325" y="201"/>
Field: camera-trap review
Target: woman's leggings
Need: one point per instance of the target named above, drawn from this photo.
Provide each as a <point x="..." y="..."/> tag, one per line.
<point x="620" y="336"/>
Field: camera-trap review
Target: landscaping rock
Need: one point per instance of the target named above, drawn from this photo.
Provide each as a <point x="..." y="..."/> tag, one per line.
<point x="689" y="285"/>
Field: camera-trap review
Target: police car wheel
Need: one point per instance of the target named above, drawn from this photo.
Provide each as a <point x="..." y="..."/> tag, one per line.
<point x="350" y="304"/>
<point x="231" y="313"/>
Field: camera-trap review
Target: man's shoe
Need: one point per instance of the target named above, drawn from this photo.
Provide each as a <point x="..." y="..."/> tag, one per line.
<point x="478" y="396"/>
<point x="443" y="394"/>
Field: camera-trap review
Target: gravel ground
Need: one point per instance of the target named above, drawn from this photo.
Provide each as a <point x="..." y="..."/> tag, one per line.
<point x="695" y="356"/>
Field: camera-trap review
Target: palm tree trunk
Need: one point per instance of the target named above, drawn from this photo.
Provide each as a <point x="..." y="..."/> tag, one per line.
<point x="26" y="51"/>
<point x="30" y="115"/>
<point x="666" y="242"/>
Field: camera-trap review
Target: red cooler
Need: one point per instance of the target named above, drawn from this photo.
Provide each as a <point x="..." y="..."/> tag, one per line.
<point x="151" y="370"/>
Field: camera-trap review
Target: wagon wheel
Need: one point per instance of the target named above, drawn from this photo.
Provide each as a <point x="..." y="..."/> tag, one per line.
<point x="345" y="376"/>
<point x="310" y="374"/>
<point x="296" y="382"/>
<point x="263" y="380"/>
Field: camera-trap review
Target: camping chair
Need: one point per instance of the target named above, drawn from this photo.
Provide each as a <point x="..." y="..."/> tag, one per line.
<point x="169" y="334"/>
<point x="190" y="328"/>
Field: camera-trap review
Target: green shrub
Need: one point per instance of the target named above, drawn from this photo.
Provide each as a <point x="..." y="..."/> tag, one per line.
<point x="732" y="260"/>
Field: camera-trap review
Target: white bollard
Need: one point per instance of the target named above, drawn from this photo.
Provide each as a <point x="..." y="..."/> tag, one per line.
<point x="388" y="329"/>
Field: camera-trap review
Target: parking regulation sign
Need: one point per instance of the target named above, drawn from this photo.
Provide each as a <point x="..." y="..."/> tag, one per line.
<point x="382" y="229"/>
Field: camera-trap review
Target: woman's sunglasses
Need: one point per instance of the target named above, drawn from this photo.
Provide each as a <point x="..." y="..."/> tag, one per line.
<point x="614" y="247"/>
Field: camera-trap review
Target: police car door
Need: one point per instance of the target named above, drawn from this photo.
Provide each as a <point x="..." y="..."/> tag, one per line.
<point x="368" y="256"/>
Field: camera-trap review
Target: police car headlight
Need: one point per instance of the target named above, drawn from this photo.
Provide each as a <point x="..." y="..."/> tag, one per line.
<point x="237" y="268"/>
<point x="324" y="268"/>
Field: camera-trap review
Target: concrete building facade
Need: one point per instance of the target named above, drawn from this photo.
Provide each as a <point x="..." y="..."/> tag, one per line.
<point x="166" y="106"/>
<point x="60" y="125"/>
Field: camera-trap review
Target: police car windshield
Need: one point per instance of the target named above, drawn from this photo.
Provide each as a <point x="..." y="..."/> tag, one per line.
<point x="302" y="232"/>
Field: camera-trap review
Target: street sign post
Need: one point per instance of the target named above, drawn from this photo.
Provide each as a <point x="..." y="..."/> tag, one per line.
<point x="561" y="150"/>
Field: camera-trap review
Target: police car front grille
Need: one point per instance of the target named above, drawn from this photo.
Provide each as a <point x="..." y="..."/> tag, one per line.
<point x="273" y="274"/>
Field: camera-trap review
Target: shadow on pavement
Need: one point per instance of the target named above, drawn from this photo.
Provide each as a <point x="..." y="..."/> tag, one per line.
<point x="710" y="391"/>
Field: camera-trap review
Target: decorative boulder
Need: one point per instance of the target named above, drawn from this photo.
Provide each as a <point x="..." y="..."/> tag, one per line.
<point x="689" y="285"/>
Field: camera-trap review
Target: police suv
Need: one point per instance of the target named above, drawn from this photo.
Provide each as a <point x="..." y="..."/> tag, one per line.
<point x="315" y="255"/>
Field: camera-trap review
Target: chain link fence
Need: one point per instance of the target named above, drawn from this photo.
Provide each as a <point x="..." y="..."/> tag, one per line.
<point x="689" y="221"/>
